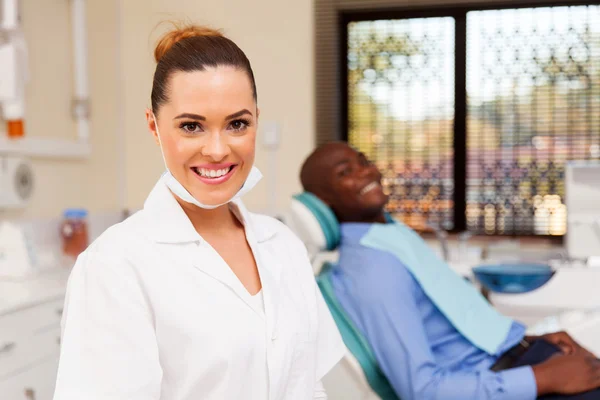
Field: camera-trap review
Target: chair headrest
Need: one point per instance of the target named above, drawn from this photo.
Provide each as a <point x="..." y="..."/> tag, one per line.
<point x="314" y="222"/>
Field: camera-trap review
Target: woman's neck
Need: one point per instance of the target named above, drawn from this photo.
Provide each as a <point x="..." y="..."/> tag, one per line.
<point x="209" y="222"/>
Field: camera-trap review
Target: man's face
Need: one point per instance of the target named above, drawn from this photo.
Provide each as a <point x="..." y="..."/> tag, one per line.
<point x="355" y="192"/>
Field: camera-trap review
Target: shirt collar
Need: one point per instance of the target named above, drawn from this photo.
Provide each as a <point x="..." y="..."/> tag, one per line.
<point x="168" y="223"/>
<point x="352" y="232"/>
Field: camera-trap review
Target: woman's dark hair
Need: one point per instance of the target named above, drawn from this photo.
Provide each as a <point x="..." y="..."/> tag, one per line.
<point x="193" y="48"/>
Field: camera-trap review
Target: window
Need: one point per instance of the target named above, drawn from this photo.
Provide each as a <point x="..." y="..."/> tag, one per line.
<point x="472" y="114"/>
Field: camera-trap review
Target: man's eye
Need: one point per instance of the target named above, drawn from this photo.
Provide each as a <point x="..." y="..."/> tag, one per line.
<point x="344" y="172"/>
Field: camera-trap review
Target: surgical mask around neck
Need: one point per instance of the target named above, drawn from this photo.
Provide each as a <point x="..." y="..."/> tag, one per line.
<point x="180" y="191"/>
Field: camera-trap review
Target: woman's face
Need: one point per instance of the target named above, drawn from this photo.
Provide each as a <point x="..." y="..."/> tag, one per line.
<point x="207" y="131"/>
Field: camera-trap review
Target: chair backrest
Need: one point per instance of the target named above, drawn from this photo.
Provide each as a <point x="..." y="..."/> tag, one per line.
<point x="314" y="222"/>
<point x="316" y="225"/>
<point x="354" y="340"/>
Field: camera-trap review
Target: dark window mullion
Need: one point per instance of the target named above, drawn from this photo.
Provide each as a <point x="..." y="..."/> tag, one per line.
<point x="460" y="122"/>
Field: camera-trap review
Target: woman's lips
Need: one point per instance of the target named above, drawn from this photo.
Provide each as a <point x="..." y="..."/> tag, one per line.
<point x="214" y="176"/>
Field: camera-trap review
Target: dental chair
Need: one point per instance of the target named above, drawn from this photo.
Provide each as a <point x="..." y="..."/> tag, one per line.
<point x="318" y="228"/>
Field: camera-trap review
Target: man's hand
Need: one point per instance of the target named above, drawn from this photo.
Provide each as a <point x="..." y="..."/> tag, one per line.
<point x="565" y="342"/>
<point x="567" y="374"/>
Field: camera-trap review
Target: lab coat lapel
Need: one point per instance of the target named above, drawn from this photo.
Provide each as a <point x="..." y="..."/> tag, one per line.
<point x="270" y="274"/>
<point x="169" y="226"/>
<point x="262" y="237"/>
<point x="215" y="267"/>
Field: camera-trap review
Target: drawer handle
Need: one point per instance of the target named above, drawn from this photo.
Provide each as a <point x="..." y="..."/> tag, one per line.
<point x="30" y="394"/>
<point x="7" y="347"/>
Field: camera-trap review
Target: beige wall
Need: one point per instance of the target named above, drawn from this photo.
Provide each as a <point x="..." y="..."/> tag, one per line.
<point x="277" y="37"/>
<point x="60" y="183"/>
<point x="125" y="162"/>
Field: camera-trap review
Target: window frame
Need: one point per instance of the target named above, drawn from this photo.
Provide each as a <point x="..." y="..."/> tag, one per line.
<point x="459" y="13"/>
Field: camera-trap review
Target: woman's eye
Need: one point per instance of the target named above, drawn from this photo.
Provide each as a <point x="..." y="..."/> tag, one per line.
<point x="239" y="125"/>
<point x="191" y="127"/>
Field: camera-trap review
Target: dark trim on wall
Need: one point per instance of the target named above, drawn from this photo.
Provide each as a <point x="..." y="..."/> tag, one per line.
<point x="420" y="11"/>
<point x="344" y="123"/>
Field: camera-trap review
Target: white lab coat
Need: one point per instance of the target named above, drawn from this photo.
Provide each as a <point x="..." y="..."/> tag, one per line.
<point x="153" y="312"/>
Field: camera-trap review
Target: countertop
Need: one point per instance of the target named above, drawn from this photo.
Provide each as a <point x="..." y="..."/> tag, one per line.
<point x="570" y="288"/>
<point x="27" y="292"/>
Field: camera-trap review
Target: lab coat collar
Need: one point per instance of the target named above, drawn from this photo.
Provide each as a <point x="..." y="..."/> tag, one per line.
<point x="168" y="223"/>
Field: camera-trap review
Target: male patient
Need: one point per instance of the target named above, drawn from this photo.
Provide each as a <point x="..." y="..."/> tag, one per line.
<point x="419" y="349"/>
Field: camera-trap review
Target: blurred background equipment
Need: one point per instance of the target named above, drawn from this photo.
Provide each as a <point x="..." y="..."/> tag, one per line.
<point x="582" y="187"/>
<point x="16" y="182"/>
<point x="13" y="68"/>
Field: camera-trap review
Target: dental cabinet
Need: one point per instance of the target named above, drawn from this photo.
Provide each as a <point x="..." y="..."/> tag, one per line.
<point x="30" y="315"/>
<point x="31" y="307"/>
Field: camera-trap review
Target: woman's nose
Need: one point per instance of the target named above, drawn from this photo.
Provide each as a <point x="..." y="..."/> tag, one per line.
<point x="216" y="147"/>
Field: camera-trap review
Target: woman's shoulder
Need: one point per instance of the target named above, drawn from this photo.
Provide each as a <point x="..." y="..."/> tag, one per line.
<point x="118" y="243"/>
<point x="267" y="226"/>
<point x="111" y="266"/>
<point x="122" y="234"/>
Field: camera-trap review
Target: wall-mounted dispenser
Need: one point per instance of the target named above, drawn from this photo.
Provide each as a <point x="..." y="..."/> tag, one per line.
<point x="16" y="182"/>
<point x="13" y="69"/>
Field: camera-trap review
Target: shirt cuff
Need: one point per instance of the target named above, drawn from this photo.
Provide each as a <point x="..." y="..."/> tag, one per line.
<point x="519" y="383"/>
<point x="320" y="393"/>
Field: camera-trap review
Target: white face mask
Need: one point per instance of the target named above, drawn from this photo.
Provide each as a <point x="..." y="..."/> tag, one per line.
<point x="178" y="190"/>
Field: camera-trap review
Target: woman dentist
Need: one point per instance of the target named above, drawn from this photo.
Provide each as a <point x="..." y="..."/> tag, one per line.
<point x="194" y="297"/>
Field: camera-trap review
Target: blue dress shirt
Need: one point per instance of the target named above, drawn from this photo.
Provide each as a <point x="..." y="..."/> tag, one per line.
<point x="423" y="356"/>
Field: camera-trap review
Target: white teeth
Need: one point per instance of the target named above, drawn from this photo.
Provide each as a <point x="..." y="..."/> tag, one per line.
<point x="212" y="173"/>
<point x="369" y="187"/>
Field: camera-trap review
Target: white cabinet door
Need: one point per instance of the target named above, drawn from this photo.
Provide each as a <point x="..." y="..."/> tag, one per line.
<point x="28" y="336"/>
<point x="36" y="383"/>
<point x="23" y="353"/>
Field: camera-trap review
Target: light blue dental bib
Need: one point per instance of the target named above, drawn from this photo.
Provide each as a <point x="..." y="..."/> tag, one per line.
<point x="457" y="299"/>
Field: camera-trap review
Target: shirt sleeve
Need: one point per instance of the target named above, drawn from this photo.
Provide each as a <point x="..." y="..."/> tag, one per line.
<point x="330" y="347"/>
<point x="395" y="330"/>
<point x="108" y="346"/>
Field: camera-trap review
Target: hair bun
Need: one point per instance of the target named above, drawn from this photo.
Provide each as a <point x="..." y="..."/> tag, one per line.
<point x="168" y="40"/>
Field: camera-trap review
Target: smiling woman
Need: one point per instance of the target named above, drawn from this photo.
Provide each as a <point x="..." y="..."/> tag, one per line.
<point x="215" y="173"/>
<point x="199" y="69"/>
<point x="205" y="299"/>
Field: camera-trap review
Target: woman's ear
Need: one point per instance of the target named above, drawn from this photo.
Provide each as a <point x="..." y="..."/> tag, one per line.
<point x="151" y="121"/>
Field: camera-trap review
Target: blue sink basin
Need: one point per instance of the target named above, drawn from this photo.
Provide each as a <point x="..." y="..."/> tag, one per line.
<point x="513" y="278"/>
